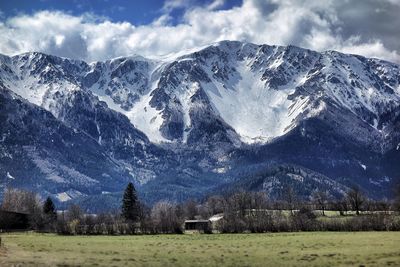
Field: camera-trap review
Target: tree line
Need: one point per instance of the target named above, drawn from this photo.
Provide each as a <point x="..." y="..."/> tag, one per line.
<point x="242" y="212"/>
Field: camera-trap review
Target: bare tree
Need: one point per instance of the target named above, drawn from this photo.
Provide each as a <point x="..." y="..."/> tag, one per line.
<point x="290" y="197"/>
<point x="215" y="204"/>
<point x="356" y="199"/>
<point x="397" y="197"/>
<point x="74" y="213"/>
<point x="190" y="209"/>
<point x="341" y="205"/>
<point x="246" y="211"/>
<point x="260" y="200"/>
<point x="321" y="200"/>
<point x="241" y="202"/>
<point x="19" y="200"/>
<point x="22" y="201"/>
<point x="163" y="215"/>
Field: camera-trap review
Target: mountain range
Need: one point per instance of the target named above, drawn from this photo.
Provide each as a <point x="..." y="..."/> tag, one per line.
<point x="229" y="116"/>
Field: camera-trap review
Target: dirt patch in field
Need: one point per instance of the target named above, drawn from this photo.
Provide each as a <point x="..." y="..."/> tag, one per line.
<point x="3" y="255"/>
<point x="3" y="252"/>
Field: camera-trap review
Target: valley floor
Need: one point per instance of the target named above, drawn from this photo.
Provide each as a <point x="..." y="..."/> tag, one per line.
<point x="276" y="249"/>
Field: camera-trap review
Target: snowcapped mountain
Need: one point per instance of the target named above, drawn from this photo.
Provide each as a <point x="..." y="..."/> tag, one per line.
<point x="204" y="118"/>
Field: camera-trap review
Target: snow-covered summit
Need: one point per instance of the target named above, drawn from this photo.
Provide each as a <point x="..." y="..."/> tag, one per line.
<point x="184" y="124"/>
<point x="256" y="92"/>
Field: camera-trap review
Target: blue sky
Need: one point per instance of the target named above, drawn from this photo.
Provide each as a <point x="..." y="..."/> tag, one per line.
<point x="102" y="29"/>
<point x="137" y="12"/>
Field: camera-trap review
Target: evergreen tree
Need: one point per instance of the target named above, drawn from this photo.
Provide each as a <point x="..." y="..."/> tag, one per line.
<point x="130" y="204"/>
<point x="49" y="211"/>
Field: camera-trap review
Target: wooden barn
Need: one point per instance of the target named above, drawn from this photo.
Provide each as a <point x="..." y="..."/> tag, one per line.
<point x="203" y="226"/>
<point x="13" y="221"/>
<point x="197" y="226"/>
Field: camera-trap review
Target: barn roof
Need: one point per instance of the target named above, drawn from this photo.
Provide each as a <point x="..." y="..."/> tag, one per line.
<point x="216" y="217"/>
<point x="195" y="221"/>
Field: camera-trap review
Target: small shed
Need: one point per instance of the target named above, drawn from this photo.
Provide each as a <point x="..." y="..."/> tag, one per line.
<point x="197" y="226"/>
<point x="10" y="220"/>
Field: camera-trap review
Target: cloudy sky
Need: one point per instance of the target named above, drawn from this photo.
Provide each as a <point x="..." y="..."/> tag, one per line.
<point x="102" y="29"/>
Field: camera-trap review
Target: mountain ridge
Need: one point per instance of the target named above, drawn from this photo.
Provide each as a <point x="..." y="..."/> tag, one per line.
<point x="196" y="115"/>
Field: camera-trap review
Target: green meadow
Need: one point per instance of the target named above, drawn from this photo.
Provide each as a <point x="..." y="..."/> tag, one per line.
<point x="275" y="249"/>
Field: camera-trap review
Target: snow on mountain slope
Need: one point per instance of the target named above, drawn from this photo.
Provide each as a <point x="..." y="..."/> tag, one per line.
<point x="123" y="79"/>
<point x="366" y="87"/>
<point x="147" y="119"/>
<point x="40" y="152"/>
<point x="125" y="85"/>
<point x="329" y="112"/>
<point x="241" y="83"/>
<point x="257" y="112"/>
<point x="240" y="105"/>
<point x="260" y="91"/>
<point x="34" y="76"/>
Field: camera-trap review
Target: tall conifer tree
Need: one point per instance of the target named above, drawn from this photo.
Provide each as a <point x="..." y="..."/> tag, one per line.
<point x="49" y="209"/>
<point x="130" y="204"/>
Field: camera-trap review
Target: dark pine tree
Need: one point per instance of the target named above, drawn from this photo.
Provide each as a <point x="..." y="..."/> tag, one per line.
<point x="130" y="204"/>
<point x="49" y="209"/>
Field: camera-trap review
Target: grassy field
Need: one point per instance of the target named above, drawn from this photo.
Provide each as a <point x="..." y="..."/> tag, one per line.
<point x="277" y="249"/>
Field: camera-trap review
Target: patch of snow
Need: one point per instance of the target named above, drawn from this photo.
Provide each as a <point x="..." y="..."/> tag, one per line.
<point x="355" y="92"/>
<point x="63" y="197"/>
<point x="315" y="111"/>
<point x="141" y="115"/>
<point x="185" y="100"/>
<point x="68" y="195"/>
<point x="379" y="181"/>
<point x="147" y="119"/>
<point x="363" y="166"/>
<point x="9" y="176"/>
<point x="276" y="63"/>
<point x="220" y="170"/>
<point x="257" y="113"/>
<point x="110" y="103"/>
<point x="98" y="130"/>
<point x="375" y="124"/>
<point x="223" y="158"/>
<point x="296" y="177"/>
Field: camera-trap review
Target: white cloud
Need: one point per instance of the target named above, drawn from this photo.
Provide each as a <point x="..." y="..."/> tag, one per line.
<point x="173" y="4"/>
<point x="306" y="23"/>
<point x="374" y="48"/>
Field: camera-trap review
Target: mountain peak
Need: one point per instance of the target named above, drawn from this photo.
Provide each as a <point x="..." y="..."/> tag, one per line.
<point x="199" y="118"/>
<point x="261" y="91"/>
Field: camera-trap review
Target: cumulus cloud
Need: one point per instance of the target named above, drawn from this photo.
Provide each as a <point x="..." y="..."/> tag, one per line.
<point x="365" y="27"/>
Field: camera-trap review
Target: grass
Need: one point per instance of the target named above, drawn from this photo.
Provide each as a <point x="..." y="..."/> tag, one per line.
<point x="277" y="249"/>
